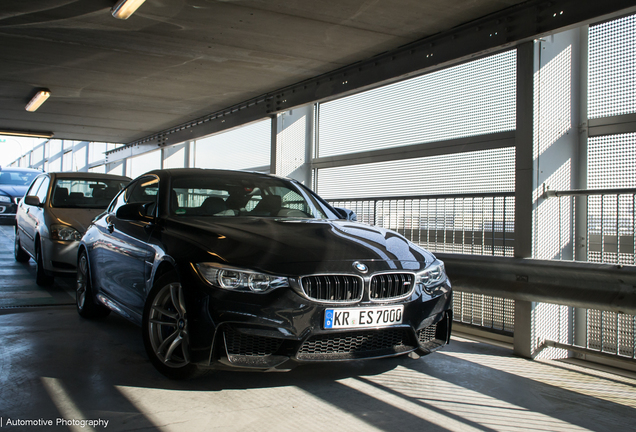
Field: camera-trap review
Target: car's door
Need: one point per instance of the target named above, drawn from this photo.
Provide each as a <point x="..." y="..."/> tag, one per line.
<point x="125" y="257"/>
<point x="28" y="217"/>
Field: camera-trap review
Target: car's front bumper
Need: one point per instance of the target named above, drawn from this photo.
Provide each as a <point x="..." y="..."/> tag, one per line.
<point x="60" y="256"/>
<point x="7" y="211"/>
<point x="268" y="331"/>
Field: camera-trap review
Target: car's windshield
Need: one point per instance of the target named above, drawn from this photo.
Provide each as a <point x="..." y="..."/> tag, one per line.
<point x="250" y="196"/>
<point x="85" y="193"/>
<point x="17" y="178"/>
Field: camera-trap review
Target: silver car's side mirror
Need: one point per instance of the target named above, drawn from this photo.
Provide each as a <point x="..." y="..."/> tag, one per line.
<point x="32" y="200"/>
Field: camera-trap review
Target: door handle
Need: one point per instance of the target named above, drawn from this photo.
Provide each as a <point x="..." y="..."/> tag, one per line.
<point x="110" y="227"/>
<point x="27" y="211"/>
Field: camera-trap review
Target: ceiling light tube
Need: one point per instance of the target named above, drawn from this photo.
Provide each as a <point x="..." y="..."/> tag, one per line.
<point x="125" y="8"/>
<point x="38" y="100"/>
<point x="26" y="134"/>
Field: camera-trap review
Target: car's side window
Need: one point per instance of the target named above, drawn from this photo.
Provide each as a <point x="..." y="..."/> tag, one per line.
<point x="122" y="197"/>
<point x="43" y="190"/>
<point x="34" y="187"/>
<point x="145" y="191"/>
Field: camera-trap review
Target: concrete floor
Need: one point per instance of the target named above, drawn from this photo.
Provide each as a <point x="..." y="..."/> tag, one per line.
<point x="55" y="365"/>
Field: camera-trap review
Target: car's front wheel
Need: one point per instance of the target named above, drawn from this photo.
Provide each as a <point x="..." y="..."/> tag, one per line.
<point x="18" y="252"/>
<point x="165" y="329"/>
<point x="87" y="307"/>
<point x="42" y="277"/>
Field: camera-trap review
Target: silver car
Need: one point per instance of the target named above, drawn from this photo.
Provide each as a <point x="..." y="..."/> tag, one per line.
<point x="53" y="216"/>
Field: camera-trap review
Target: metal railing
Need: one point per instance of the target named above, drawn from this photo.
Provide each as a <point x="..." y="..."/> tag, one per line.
<point x="476" y="224"/>
<point x="599" y="225"/>
<point x="602" y="223"/>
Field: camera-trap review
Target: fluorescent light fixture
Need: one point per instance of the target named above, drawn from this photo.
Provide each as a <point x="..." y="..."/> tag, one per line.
<point x="26" y="134"/>
<point x="125" y="8"/>
<point x="38" y="100"/>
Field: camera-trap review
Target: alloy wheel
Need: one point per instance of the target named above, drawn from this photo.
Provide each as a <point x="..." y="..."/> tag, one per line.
<point x="82" y="277"/>
<point x="168" y="326"/>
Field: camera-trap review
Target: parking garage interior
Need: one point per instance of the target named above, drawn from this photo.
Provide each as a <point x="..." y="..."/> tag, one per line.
<point x="500" y="135"/>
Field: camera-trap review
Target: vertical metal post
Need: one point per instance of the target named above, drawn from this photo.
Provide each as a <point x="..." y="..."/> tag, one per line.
<point x="581" y="202"/>
<point x="273" y="145"/>
<point x="524" y="141"/>
<point x="524" y="150"/>
<point x="186" y="154"/>
<point x="86" y="159"/>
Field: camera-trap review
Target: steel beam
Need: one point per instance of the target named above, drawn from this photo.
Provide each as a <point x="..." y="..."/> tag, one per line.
<point x="459" y="145"/>
<point x="612" y="125"/>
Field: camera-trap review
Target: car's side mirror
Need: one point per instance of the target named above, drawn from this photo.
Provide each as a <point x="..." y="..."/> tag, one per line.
<point x="32" y="200"/>
<point x="138" y="211"/>
<point x="347" y="214"/>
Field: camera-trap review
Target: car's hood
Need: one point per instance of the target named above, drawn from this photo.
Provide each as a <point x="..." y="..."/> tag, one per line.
<point x="13" y="191"/>
<point x="323" y="245"/>
<point x="78" y="218"/>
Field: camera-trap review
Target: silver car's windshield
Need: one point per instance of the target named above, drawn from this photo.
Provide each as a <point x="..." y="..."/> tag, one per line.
<point x="84" y="193"/>
<point x="235" y="197"/>
<point x="16" y="178"/>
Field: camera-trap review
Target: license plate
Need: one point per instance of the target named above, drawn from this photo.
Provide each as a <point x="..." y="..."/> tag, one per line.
<point x="342" y="318"/>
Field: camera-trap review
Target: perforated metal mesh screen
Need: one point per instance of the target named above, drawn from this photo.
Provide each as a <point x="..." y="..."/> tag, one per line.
<point x="612" y="161"/>
<point x="612" y="218"/>
<point x="611" y="332"/>
<point x="480" y="171"/>
<point x="612" y="68"/>
<point x="242" y="148"/>
<point x="470" y="99"/>
<point x="485" y="311"/>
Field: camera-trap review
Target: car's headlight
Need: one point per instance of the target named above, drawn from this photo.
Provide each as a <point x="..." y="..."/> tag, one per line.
<point x="235" y="279"/>
<point x="5" y="199"/>
<point x="433" y="275"/>
<point x="64" y="232"/>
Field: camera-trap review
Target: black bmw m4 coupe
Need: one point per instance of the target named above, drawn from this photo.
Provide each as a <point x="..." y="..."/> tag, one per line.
<point x="247" y="270"/>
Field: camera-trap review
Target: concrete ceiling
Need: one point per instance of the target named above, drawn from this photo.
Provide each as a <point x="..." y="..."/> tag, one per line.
<point x="177" y="60"/>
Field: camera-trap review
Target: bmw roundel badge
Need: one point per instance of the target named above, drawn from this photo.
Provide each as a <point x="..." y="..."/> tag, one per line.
<point x="360" y="267"/>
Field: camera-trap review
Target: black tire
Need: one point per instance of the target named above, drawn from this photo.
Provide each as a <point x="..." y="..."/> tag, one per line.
<point x="165" y="329"/>
<point x="42" y="277"/>
<point x="85" y="301"/>
<point x="18" y="252"/>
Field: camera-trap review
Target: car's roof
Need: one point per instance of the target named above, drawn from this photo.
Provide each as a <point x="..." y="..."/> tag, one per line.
<point x="189" y="172"/>
<point x="19" y="169"/>
<point x="88" y="175"/>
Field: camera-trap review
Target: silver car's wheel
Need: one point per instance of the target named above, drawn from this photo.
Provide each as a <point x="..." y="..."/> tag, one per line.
<point x="165" y="327"/>
<point x="18" y="252"/>
<point x="42" y="277"/>
<point x="87" y="307"/>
